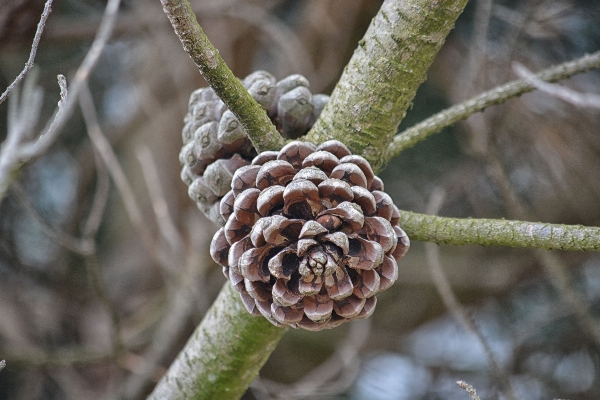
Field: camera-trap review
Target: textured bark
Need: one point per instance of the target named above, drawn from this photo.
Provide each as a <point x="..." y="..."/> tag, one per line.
<point x="224" y="354"/>
<point x="497" y="95"/>
<point x="381" y="79"/>
<point x="227" y="350"/>
<point x="498" y="232"/>
<point x="259" y="127"/>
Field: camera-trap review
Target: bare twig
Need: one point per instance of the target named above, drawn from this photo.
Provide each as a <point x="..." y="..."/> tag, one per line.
<point x="81" y="246"/>
<point x="107" y="154"/>
<point x="498" y="95"/>
<point x="571" y="96"/>
<point x="166" y="226"/>
<point x="32" y="54"/>
<point x="470" y="389"/>
<point x="62" y="357"/>
<point x="92" y="224"/>
<point x="453" y="305"/>
<point x="18" y="149"/>
<point x="81" y="77"/>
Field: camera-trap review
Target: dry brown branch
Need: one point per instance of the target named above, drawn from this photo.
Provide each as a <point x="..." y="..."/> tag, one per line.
<point x="32" y="54"/>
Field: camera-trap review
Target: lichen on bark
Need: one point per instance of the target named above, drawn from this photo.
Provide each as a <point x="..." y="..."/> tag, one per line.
<point x="380" y="81"/>
<point x="224" y="354"/>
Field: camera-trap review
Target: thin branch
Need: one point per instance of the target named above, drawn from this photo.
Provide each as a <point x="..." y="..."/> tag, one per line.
<point x="223" y="355"/>
<point x="107" y="154"/>
<point x="557" y="273"/>
<point x="92" y="224"/>
<point x="34" y="46"/>
<point x="18" y="148"/>
<point x="81" y="77"/>
<point x="81" y="246"/>
<point x="470" y="389"/>
<point x="443" y="287"/>
<point x="62" y="357"/>
<point x="499" y="232"/>
<point x="498" y="95"/>
<point x="166" y="226"/>
<point x="259" y="127"/>
<point x="571" y="96"/>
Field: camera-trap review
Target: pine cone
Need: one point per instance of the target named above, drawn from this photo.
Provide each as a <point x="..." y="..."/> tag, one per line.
<point x="310" y="236"/>
<point x="215" y="143"/>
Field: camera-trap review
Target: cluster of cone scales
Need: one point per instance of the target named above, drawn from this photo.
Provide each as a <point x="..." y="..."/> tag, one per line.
<point x="310" y="236"/>
<point x="215" y="143"/>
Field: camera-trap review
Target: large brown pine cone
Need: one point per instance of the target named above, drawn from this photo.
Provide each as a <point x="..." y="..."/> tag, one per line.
<point x="215" y="143"/>
<point x="310" y="236"/>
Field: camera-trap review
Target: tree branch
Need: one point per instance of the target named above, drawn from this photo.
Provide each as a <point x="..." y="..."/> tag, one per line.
<point x="258" y="126"/>
<point x="223" y="355"/>
<point x="380" y="81"/>
<point x="497" y="95"/>
<point x="499" y="232"/>
<point x="32" y="53"/>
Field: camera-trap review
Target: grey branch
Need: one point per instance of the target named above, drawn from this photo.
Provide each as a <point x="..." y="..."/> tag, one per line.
<point x="32" y="54"/>
<point x="571" y="96"/>
<point x="498" y="95"/>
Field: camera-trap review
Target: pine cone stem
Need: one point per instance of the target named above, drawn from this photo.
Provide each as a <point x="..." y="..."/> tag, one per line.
<point x="224" y="354"/>
<point x="261" y="131"/>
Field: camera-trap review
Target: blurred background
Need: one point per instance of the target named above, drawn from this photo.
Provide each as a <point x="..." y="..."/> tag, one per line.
<point x="104" y="266"/>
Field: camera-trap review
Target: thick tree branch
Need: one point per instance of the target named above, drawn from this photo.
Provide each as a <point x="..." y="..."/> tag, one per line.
<point x="497" y="95"/>
<point x="259" y="127"/>
<point x="381" y="79"/>
<point x="224" y="354"/>
<point x="498" y="232"/>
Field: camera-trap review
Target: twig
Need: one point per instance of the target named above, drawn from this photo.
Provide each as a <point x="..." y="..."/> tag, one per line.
<point x="499" y="232"/>
<point x="166" y="226"/>
<point x="498" y="95"/>
<point x="470" y="389"/>
<point x="107" y="154"/>
<point x="62" y="357"/>
<point x="453" y="305"/>
<point x="563" y="93"/>
<point x="18" y="149"/>
<point x="81" y="246"/>
<point x="560" y="280"/>
<point x="260" y="129"/>
<point x="34" y="46"/>
<point x="81" y="77"/>
<point x="92" y="224"/>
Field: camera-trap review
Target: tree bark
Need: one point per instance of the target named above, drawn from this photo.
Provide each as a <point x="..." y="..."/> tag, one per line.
<point x="224" y="354"/>
<point x="380" y="81"/>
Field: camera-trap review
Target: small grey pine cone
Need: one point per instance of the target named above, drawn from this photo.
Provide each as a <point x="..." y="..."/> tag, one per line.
<point x="215" y="143"/>
<point x="310" y="236"/>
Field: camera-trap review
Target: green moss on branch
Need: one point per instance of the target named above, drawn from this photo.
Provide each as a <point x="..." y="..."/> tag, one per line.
<point x="224" y="354"/>
<point x="498" y="232"/>
<point x="381" y="79"/>
<point x="497" y="95"/>
<point x="259" y="127"/>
